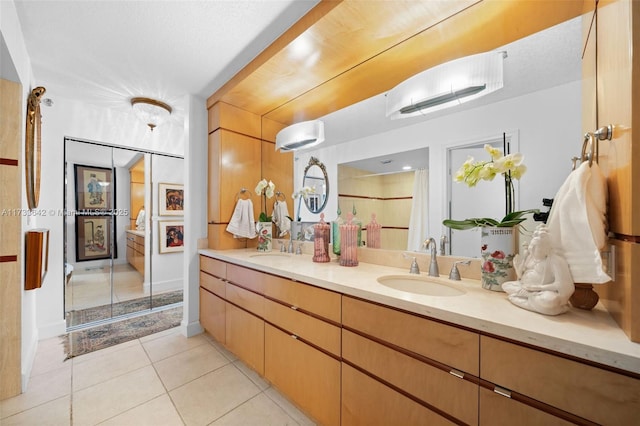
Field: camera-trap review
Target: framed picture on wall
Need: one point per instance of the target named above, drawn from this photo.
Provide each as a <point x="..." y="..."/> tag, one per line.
<point x="95" y="188"/>
<point x="93" y="237"/>
<point x="171" y="236"/>
<point x="171" y="199"/>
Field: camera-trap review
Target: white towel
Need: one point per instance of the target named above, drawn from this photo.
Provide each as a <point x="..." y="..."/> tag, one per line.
<point x="241" y="224"/>
<point x="577" y="223"/>
<point x="280" y="213"/>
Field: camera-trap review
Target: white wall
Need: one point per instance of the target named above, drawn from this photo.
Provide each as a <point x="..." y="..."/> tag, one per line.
<point x="547" y="123"/>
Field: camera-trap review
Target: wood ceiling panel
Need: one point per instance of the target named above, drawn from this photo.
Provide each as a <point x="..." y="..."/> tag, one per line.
<point x="364" y="48"/>
<point x="347" y="35"/>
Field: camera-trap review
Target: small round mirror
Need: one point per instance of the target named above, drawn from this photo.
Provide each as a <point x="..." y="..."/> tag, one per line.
<point x="315" y="177"/>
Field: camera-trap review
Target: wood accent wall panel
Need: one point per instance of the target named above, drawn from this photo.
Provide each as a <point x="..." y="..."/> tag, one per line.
<point x="366" y="402"/>
<point x="225" y="116"/>
<point x="600" y="396"/>
<point x="11" y="126"/>
<point x="443" y="343"/>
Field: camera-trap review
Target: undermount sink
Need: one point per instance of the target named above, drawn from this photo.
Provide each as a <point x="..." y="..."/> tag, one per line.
<point x="278" y="254"/>
<point x="419" y="285"/>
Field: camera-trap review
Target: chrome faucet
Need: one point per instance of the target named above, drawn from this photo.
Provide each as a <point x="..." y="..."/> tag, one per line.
<point x="443" y="241"/>
<point x="433" y="266"/>
<point x="455" y="274"/>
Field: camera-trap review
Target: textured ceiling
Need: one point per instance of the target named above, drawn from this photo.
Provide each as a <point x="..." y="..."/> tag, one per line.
<point x="105" y="52"/>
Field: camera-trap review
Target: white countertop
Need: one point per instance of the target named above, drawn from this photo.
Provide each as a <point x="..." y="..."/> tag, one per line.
<point x="590" y="335"/>
<point x="136" y="232"/>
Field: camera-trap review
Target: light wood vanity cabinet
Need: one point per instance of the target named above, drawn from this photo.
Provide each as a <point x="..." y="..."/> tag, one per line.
<point x="426" y="366"/>
<point x="135" y="251"/>
<point x="580" y="392"/>
<point x="212" y="297"/>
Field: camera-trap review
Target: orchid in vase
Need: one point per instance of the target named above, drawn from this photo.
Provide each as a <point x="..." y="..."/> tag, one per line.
<point x="511" y="167"/>
<point x="266" y="190"/>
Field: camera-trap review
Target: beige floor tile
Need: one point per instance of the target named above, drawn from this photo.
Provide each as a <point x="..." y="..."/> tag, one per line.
<point x="210" y="397"/>
<point x="53" y="413"/>
<point x="150" y="337"/>
<point x="105" y="400"/>
<point x="259" y="410"/>
<point x="252" y="375"/>
<point x="229" y="355"/>
<point x="41" y="389"/>
<point x="189" y="365"/>
<point x="293" y="411"/>
<point x="170" y="345"/>
<point x="107" y="367"/>
<point x="157" y="412"/>
<point x="49" y="356"/>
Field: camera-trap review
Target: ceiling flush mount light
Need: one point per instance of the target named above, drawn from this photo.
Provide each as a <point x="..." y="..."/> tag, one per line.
<point x="300" y="135"/>
<point x="150" y="111"/>
<point x="447" y="85"/>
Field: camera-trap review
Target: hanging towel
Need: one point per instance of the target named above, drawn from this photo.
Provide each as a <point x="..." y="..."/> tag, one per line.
<point x="241" y="224"/>
<point x="280" y="213"/>
<point x="418" y="222"/>
<point x="577" y="223"/>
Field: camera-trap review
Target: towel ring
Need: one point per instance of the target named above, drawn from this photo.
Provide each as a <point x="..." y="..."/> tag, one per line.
<point x="245" y="192"/>
<point x="592" y="143"/>
<point x="281" y="195"/>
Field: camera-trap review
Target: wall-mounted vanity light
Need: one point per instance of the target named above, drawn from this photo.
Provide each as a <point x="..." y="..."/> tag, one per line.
<point x="151" y="111"/>
<point x="300" y="135"/>
<point x="446" y="85"/>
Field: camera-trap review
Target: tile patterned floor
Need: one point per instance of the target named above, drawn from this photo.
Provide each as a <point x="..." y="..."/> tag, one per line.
<point x="161" y="379"/>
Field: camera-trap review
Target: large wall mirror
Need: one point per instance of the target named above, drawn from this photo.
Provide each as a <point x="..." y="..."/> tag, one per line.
<point x="115" y="232"/>
<point x="316" y="179"/>
<point x="539" y="108"/>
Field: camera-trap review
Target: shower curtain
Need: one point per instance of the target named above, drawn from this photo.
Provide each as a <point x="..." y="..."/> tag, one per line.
<point x="418" y="224"/>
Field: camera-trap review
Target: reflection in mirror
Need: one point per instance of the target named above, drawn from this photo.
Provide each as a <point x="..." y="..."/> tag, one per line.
<point x="315" y="177"/>
<point x="385" y="186"/>
<point x="540" y="105"/>
<point x="109" y="255"/>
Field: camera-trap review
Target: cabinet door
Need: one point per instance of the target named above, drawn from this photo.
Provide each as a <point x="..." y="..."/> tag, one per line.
<point x="367" y="402"/>
<point x="212" y="315"/>
<point x="308" y="376"/>
<point x="497" y="410"/>
<point x="245" y="337"/>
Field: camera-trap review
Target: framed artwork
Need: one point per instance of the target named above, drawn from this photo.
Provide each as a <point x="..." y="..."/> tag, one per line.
<point x="93" y="237"/>
<point x="95" y="188"/>
<point x="171" y="236"/>
<point x="171" y="199"/>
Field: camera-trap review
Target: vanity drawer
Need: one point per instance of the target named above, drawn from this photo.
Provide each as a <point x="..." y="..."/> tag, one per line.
<point x="446" y="344"/>
<point x="366" y="402"/>
<point x="245" y="299"/>
<point x="213" y="284"/>
<point x="247" y="278"/>
<point x="213" y="266"/>
<point x="430" y="384"/>
<point x="321" y="302"/>
<point x="313" y="330"/>
<point x="587" y="391"/>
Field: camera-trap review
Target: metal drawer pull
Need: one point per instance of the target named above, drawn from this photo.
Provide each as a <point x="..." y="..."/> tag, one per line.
<point x="458" y="374"/>
<point x="294" y="336"/>
<point x="295" y="308"/>
<point x="502" y="391"/>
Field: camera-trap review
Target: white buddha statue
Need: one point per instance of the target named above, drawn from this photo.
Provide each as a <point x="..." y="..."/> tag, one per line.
<point x="544" y="282"/>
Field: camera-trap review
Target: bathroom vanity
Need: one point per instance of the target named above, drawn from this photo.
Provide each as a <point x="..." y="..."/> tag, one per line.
<point x="135" y="249"/>
<point x="349" y="350"/>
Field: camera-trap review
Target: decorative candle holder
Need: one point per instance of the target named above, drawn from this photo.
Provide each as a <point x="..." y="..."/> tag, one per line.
<point x="321" y="231"/>
<point x="373" y="233"/>
<point x="349" y="243"/>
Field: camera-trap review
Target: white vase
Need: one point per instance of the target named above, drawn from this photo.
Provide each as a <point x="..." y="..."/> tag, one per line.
<point x="265" y="235"/>
<point x="498" y="247"/>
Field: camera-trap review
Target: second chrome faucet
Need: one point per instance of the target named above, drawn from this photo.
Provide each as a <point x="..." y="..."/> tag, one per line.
<point x="430" y="243"/>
